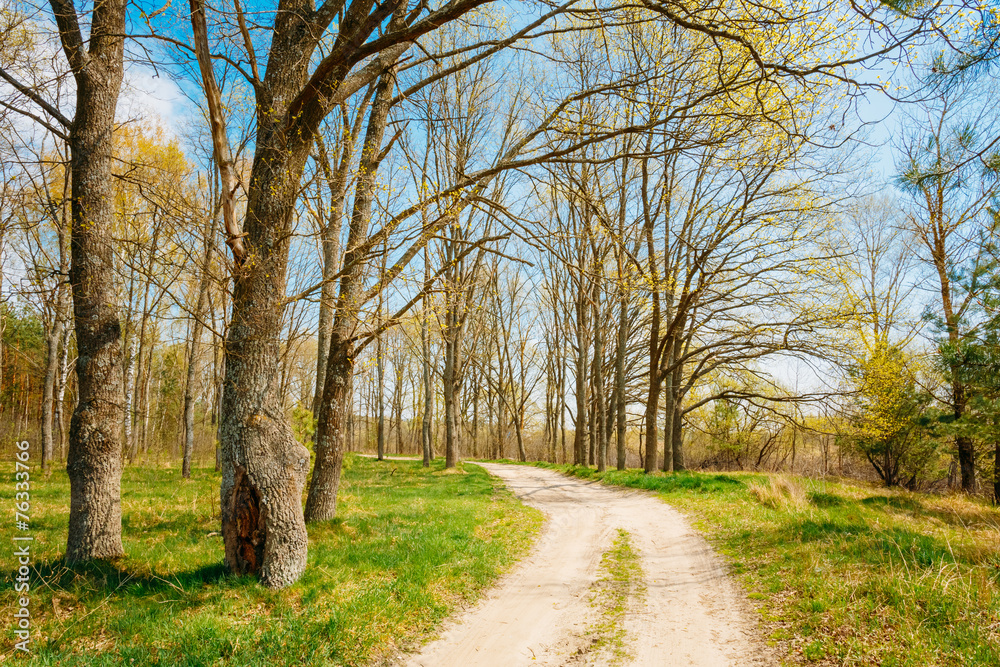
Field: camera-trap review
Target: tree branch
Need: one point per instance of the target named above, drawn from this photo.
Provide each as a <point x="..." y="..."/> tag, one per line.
<point x="220" y="140"/>
<point x="69" y="33"/>
<point x="37" y="99"/>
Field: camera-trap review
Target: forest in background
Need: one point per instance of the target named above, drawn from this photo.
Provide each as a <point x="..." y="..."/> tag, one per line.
<point x="645" y="235"/>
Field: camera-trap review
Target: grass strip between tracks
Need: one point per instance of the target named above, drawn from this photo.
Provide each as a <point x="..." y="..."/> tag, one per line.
<point x="848" y="574"/>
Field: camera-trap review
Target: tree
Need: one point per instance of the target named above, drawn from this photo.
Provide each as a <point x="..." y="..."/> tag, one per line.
<point x="197" y="324"/>
<point x="886" y="424"/>
<point x="977" y="355"/>
<point x="263" y="466"/>
<point x="951" y="192"/>
<point x="95" y="462"/>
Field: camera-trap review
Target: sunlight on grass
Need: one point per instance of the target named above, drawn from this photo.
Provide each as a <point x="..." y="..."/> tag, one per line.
<point x="849" y="574"/>
<point x="409" y="545"/>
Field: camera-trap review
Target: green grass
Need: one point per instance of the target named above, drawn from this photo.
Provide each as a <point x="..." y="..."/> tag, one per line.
<point x="845" y="574"/>
<point x="620" y="587"/>
<point x="407" y="547"/>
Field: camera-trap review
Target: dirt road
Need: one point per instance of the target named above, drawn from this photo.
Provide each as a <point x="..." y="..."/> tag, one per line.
<point x="687" y="612"/>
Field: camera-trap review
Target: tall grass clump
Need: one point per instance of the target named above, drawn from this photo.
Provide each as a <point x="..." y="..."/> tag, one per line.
<point x="779" y="493"/>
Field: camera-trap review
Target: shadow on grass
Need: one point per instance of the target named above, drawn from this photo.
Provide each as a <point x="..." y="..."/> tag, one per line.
<point x="874" y="545"/>
<point x="897" y="502"/>
<point x="109" y="578"/>
<point x="820" y="499"/>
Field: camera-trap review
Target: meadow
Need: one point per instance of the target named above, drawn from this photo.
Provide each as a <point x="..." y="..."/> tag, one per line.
<point x="408" y="547"/>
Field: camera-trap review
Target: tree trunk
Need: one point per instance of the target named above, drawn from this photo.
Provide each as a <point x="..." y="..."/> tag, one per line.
<point x="601" y="416"/>
<point x="562" y="400"/>
<point x="668" y="423"/>
<point x="52" y="338"/>
<point x="548" y="438"/>
<point x="677" y="438"/>
<point x="263" y="466"/>
<point x="676" y="423"/>
<point x="192" y="367"/>
<point x="996" y="473"/>
<point x="451" y="339"/>
<point x="450" y="408"/>
<point x="59" y="425"/>
<point x="620" y="382"/>
<point x="966" y="450"/>
<point x="94" y="462"/>
<point x="58" y="346"/>
<point x="592" y="424"/>
<point x="218" y="375"/>
<point x="580" y="436"/>
<point x="652" y="438"/>
<point x="335" y="407"/>
<point x="655" y="373"/>
<point x="475" y="422"/>
<point x="380" y="395"/>
<point x="425" y="348"/>
<point x="322" y="500"/>
<point x="130" y="363"/>
<point x="146" y="375"/>
<point x="338" y="181"/>
<point x="966" y="447"/>
<point x="397" y="403"/>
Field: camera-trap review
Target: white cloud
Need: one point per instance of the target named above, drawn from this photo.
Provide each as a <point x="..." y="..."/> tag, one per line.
<point x="146" y="94"/>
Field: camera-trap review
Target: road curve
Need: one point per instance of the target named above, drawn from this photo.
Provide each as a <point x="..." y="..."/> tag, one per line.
<point x="540" y="613"/>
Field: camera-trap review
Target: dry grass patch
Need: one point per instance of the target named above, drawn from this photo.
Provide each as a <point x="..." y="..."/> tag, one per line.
<point x="779" y="493"/>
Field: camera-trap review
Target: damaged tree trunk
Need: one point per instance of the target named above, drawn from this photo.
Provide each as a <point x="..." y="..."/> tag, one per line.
<point x="263" y="467"/>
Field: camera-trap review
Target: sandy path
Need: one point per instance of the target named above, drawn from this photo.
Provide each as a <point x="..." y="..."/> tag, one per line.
<point x="539" y="614"/>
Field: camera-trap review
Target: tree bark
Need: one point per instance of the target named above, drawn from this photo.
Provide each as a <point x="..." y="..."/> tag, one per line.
<point x="939" y="256"/>
<point x="380" y="394"/>
<point x="263" y="467"/>
<point x="475" y="421"/>
<point x="57" y="342"/>
<point x="321" y="503"/>
<point x="450" y="403"/>
<point x="192" y="366"/>
<point x="668" y="423"/>
<point x="52" y="339"/>
<point x="677" y="434"/>
<point x="451" y="339"/>
<point x="601" y="416"/>
<point x="331" y="254"/>
<point x="620" y="382"/>
<point x="562" y="398"/>
<point x="130" y="363"/>
<point x="425" y="348"/>
<point x="60" y="398"/>
<point x="580" y="436"/>
<point x="397" y="401"/>
<point x="653" y="347"/>
<point x="94" y="460"/>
